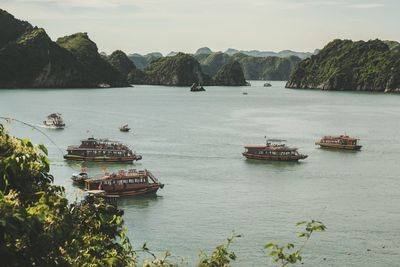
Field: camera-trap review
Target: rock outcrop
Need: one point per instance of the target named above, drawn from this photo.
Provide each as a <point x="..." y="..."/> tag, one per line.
<point x="96" y="69"/>
<point x="230" y="74"/>
<point x="179" y="70"/>
<point x="30" y="59"/>
<point x="141" y="62"/>
<point x="348" y="65"/>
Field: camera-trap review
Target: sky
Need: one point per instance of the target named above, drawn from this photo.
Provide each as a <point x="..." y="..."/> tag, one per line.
<point x="143" y="26"/>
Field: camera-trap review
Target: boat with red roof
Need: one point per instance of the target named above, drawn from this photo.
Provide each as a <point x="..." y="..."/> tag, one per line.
<point x="273" y="150"/>
<point x="339" y="142"/>
<point x="124" y="183"/>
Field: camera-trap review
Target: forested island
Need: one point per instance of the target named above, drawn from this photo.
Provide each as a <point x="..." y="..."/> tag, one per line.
<point x="346" y="65"/>
<point x="30" y="59"/>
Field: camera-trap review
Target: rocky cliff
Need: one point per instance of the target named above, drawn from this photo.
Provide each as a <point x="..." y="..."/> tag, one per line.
<point x="230" y="74"/>
<point x="179" y="70"/>
<point x="96" y="68"/>
<point x="267" y="68"/>
<point x="348" y="65"/>
<point x="29" y="58"/>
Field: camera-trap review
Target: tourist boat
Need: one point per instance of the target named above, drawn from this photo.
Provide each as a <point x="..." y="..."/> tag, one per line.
<point x="103" y="85"/>
<point x="54" y="120"/>
<point x="79" y="178"/>
<point x="124" y="128"/>
<point x="273" y="150"/>
<point x="197" y="88"/>
<point x="339" y="142"/>
<point x="267" y="84"/>
<point x="125" y="183"/>
<point x="101" y="150"/>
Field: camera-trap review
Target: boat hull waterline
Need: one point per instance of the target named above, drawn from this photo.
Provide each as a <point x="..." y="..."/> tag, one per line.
<point x="102" y="159"/>
<point x="274" y="158"/>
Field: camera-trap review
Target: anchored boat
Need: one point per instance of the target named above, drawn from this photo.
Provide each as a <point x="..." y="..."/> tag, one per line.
<point x="54" y="120"/>
<point x="124" y="183"/>
<point x="197" y="88"/>
<point x="101" y="150"/>
<point x="124" y="128"/>
<point x="273" y="150"/>
<point x="339" y="142"/>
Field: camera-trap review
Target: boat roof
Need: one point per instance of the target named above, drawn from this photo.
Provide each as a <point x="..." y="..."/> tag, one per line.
<point x="104" y="140"/>
<point x="125" y="148"/>
<point x="271" y="147"/>
<point x="343" y="137"/>
<point x="120" y="175"/>
<point x="276" y="140"/>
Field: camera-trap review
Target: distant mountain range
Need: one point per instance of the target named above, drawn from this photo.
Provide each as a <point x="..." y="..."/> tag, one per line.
<point x="256" y="65"/>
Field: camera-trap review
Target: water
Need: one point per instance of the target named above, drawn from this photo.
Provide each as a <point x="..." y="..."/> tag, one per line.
<point x="193" y="143"/>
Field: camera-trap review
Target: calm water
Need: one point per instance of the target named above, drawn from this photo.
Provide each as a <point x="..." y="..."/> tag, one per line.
<point x="193" y="142"/>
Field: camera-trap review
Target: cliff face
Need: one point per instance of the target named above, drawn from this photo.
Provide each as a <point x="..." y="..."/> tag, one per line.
<point x="141" y="62"/>
<point x="230" y="74"/>
<point x="120" y="61"/>
<point x="212" y="63"/>
<point x="29" y="58"/>
<point x="96" y="69"/>
<point x="348" y="65"/>
<point x="179" y="70"/>
<point x="267" y="68"/>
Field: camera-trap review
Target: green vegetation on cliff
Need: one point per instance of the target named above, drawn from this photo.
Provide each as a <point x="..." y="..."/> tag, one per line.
<point x="96" y="69"/>
<point x="120" y="61"/>
<point x="348" y="65"/>
<point x="267" y="68"/>
<point x="212" y="63"/>
<point x="254" y="68"/>
<point x="179" y="70"/>
<point x="230" y="74"/>
<point x="141" y="62"/>
<point x="29" y="58"/>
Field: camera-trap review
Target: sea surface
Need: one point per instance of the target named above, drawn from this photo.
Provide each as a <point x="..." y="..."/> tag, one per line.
<point x="193" y="143"/>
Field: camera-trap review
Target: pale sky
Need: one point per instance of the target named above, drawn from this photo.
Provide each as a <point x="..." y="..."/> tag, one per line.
<point x="144" y="26"/>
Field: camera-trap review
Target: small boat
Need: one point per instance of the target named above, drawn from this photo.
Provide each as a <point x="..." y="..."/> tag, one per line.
<point x="101" y="150"/>
<point x="79" y="178"/>
<point x="124" y="183"/>
<point x="197" y="88"/>
<point x="244" y="93"/>
<point x="267" y="84"/>
<point x="339" y="142"/>
<point x="103" y="85"/>
<point x="54" y="120"/>
<point x="273" y="150"/>
<point x="124" y="128"/>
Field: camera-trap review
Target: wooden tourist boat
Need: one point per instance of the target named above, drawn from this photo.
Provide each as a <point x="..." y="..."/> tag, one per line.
<point x="101" y="150"/>
<point x="79" y="178"/>
<point x="197" y="88"/>
<point x="124" y="183"/>
<point x="124" y="128"/>
<point x="273" y="150"/>
<point x="54" y="120"/>
<point x="339" y="142"/>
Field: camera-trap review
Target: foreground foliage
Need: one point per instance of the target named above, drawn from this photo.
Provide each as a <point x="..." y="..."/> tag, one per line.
<point x="38" y="226"/>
